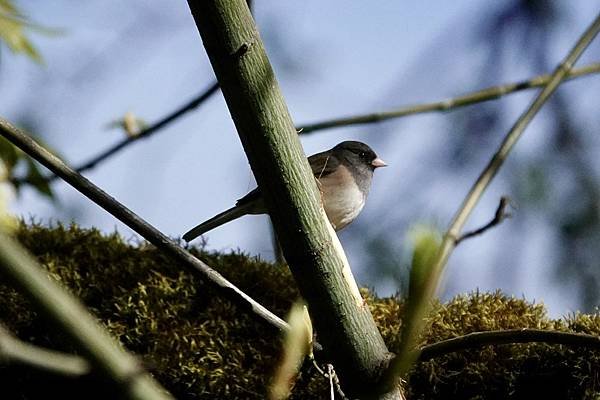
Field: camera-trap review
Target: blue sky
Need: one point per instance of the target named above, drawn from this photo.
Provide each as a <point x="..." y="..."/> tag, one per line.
<point x="332" y="59"/>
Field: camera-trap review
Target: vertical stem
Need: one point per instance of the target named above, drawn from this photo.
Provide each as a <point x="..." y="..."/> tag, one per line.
<point x="343" y="321"/>
<point x="413" y="328"/>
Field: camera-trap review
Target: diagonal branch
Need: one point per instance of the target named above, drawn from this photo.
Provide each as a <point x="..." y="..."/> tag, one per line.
<point x="132" y="220"/>
<point x="194" y="103"/>
<point x="406" y="356"/>
<point x="314" y="254"/>
<point x="189" y="106"/>
<point x="499" y="216"/>
<point x="509" y="336"/>
<point x="15" y="351"/>
<point x="145" y="133"/>
<point x="487" y="94"/>
<point x="82" y="329"/>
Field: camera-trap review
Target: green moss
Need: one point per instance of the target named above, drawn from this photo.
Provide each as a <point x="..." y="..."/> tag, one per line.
<point x="200" y="346"/>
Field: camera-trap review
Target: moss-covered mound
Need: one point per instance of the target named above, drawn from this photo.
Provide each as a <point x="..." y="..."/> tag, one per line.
<point x="200" y="346"/>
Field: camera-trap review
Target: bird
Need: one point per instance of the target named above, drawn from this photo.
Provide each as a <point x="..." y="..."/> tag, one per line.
<point x="343" y="175"/>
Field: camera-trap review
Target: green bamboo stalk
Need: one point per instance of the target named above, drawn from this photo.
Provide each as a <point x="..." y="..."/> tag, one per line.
<point x="406" y="356"/>
<point x="343" y="321"/>
<point x="70" y="317"/>
<point x="479" y="96"/>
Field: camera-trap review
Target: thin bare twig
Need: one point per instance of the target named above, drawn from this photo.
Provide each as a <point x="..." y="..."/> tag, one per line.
<point x="331" y="376"/>
<point x="509" y="336"/>
<point x="334" y="383"/>
<point x="487" y="94"/>
<point x="14" y="351"/>
<point x="132" y="220"/>
<point x="401" y="363"/>
<point x="315" y="364"/>
<point x="163" y="122"/>
<point x="192" y="104"/>
<point x="145" y="133"/>
<point x="499" y="216"/>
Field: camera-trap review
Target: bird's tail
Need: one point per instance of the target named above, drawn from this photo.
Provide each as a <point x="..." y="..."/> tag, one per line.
<point x="218" y="220"/>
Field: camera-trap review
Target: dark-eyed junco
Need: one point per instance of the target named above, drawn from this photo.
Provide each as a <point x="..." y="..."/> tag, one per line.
<point x="344" y="177"/>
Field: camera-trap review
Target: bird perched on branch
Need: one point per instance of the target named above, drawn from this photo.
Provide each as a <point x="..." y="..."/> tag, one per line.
<point x="344" y="174"/>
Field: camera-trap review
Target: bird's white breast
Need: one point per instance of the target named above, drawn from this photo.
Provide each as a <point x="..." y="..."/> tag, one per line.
<point x="342" y="198"/>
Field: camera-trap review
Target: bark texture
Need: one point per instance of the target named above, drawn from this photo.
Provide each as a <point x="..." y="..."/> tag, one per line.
<point x="343" y="321"/>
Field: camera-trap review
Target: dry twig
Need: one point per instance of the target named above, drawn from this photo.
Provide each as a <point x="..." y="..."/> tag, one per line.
<point x="402" y="362"/>
<point x="499" y="216"/>
<point x="479" y="96"/>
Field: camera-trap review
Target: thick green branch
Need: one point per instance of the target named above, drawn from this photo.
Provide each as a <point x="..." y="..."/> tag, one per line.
<point x="343" y="322"/>
<point x="421" y="306"/>
<point x="71" y="318"/>
<point x="479" y="96"/>
<point x="132" y="220"/>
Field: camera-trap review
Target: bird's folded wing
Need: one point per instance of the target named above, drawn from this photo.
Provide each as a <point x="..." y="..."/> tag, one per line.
<point x="323" y="164"/>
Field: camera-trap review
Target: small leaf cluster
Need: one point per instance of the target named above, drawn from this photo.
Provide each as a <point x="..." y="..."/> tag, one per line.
<point x="14" y="30"/>
<point x="13" y="159"/>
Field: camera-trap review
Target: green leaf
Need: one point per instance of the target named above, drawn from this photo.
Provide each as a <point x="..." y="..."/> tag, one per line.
<point x="426" y="243"/>
<point x="9" y="154"/>
<point x="297" y="344"/>
<point x="37" y="180"/>
<point x="14" y="27"/>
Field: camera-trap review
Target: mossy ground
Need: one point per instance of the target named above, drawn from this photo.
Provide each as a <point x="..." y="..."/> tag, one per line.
<point x="200" y="346"/>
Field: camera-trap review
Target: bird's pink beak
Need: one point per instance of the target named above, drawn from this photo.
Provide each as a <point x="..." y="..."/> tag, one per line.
<point x="378" y="162"/>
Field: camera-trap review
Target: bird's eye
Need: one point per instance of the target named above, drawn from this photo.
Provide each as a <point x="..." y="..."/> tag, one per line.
<point x="362" y="154"/>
